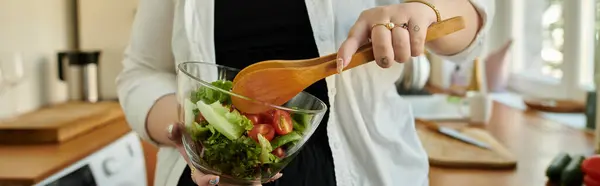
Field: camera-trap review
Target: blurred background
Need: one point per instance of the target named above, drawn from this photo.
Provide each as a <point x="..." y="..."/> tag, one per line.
<point x="552" y="54"/>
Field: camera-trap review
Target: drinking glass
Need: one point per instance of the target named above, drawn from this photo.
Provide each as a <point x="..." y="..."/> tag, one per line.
<point x="12" y="70"/>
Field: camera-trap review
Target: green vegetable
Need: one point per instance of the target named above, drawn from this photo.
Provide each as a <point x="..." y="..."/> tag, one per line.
<point x="572" y="175"/>
<point x="297" y="126"/>
<point x="231" y="124"/>
<point x="189" y="108"/>
<point x="266" y="149"/>
<point x="288" y="138"/>
<point x="223" y="133"/>
<point x="198" y="131"/>
<point x="558" y="164"/>
<point x="209" y="95"/>
<point x="238" y="158"/>
<point x="301" y="121"/>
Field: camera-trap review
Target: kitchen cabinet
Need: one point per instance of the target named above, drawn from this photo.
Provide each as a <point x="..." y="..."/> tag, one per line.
<point x="106" y="25"/>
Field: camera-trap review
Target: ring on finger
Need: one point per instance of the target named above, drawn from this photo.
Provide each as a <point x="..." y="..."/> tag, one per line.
<point x="193" y="170"/>
<point x="390" y="25"/>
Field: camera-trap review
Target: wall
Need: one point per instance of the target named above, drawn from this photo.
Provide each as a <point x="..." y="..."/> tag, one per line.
<point x="106" y="25"/>
<point x="37" y="29"/>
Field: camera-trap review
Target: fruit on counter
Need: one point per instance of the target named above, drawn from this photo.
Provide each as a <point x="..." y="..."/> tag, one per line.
<point x="557" y="165"/>
<point x="591" y="167"/>
<point x="572" y="175"/>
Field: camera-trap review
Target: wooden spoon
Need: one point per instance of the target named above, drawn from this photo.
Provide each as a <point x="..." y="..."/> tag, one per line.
<point x="277" y="81"/>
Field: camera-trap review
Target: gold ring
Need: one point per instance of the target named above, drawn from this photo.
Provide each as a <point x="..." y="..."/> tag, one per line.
<point x="390" y="26"/>
<point x="193" y="170"/>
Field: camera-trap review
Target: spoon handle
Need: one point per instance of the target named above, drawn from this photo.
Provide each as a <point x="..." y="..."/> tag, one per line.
<point x="364" y="54"/>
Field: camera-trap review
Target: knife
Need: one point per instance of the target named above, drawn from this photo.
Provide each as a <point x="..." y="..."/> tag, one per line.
<point x="454" y="134"/>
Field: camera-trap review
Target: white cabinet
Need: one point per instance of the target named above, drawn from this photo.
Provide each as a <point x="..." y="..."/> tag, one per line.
<point x="106" y="25"/>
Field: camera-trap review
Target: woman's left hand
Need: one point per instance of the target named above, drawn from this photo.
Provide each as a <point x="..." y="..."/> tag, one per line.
<point x="400" y="43"/>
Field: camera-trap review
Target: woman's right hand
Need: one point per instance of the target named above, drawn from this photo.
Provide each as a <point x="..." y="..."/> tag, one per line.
<point x="175" y="131"/>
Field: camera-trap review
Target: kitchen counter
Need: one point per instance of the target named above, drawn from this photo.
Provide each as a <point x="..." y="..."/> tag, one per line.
<point x="29" y="164"/>
<point x="532" y="139"/>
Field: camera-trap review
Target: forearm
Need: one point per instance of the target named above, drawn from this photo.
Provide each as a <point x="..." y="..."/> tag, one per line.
<point x="456" y="42"/>
<point x="162" y="114"/>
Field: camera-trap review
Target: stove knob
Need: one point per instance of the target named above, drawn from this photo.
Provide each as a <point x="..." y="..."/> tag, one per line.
<point x="110" y="166"/>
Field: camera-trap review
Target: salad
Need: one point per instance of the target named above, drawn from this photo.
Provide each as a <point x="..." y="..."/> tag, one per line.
<point x="238" y="144"/>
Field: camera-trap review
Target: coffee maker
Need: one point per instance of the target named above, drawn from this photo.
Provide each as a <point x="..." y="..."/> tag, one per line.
<point x="79" y="69"/>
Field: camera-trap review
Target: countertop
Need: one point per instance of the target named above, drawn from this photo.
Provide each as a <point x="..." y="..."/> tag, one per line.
<point x="531" y="138"/>
<point x="29" y="164"/>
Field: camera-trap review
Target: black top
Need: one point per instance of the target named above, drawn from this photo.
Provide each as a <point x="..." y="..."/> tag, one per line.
<point x="247" y="32"/>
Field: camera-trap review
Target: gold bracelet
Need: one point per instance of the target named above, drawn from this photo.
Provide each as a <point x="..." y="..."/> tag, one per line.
<point x="437" y="13"/>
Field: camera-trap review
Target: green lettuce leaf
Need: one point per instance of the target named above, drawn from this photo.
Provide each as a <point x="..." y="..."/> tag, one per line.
<point x="210" y="96"/>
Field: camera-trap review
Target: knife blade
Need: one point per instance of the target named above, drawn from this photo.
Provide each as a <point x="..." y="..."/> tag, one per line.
<point x="457" y="135"/>
<point x="453" y="133"/>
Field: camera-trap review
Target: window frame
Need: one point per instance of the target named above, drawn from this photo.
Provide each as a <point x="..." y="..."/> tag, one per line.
<point x="579" y="37"/>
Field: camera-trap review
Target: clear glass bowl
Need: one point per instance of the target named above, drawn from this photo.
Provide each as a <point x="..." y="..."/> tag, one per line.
<point x="220" y="140"/>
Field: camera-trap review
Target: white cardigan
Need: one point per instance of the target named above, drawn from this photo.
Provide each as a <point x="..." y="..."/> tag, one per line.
<point x="371" y="128"/>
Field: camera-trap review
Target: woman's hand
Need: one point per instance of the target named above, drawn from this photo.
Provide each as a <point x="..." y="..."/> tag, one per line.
<point x="406" y="39"/>
<point x="175" y="132"/>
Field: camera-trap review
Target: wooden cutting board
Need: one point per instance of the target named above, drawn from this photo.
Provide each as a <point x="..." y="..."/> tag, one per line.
<point x="444" y="151"/>
<point x="58" y="123"/>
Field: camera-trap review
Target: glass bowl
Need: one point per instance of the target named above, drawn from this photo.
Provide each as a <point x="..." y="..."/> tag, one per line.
<point x="243" y="149"/>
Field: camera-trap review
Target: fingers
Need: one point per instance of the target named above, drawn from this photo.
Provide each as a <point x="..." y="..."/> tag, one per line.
<point x="204" y="179"/>
<point x="356" y="37"/>
<point x="401" y="44"/>
<point x="417" y="29"/>
<point x="277" y="176"/>
<point x="381" y="38"/>
<point x="174" y="133"/>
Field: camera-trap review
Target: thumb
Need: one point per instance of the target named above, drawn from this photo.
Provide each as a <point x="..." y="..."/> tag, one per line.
<point x="356" y="37"/>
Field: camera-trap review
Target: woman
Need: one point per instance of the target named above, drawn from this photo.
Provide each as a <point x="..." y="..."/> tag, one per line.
<point x="368" y="136"/>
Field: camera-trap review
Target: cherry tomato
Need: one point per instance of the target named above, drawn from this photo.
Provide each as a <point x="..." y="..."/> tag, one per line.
<point x="282" y="122"/>
<point x="591" y="167"/>
<point x="279" y="152"/>
<point x="589" y="181"/>
<point x="199" y="118"/>
<point x="255" y="118"/>
<point x="267" y="117"/>
<point x="265" y="130"/>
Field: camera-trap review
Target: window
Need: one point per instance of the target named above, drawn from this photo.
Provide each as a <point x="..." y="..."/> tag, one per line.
<point x="553" y="50"/>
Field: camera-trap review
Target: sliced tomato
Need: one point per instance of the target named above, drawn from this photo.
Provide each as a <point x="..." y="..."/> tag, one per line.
<point x="282" y="122"/>
<point x="265" y="130"/>
<point x="255" y="118"/>
<point x="591" y="167"/>
<point x="279" y="152"/>
<point x="267" y="117"/>
<point x="589" y="181"/>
